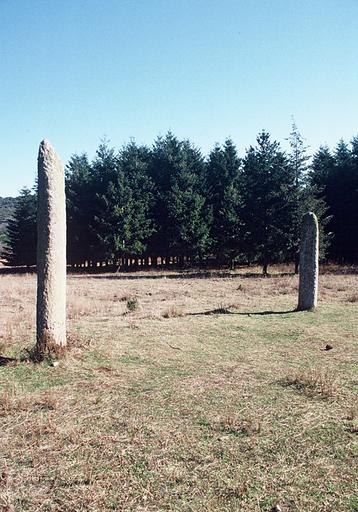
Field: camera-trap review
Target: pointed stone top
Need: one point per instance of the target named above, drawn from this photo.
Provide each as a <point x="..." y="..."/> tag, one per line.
<point x="48" y="156"/>
<point x="45" y="145"/>
<point x="46" y="148"/>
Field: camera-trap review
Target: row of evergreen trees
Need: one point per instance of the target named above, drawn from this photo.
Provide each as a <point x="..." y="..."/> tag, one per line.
<point x="169" y="202"/>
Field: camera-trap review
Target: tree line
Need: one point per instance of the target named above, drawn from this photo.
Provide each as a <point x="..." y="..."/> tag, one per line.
<point x="167" y="204"/>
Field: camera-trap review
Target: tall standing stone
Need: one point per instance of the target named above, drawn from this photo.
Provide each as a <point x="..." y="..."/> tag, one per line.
<point x="51" y="254"/>
<point x="308" y="286"/>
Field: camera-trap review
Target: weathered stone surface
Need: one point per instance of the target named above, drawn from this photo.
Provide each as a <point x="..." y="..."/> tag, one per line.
<point x="308" y="285"/>
<point x="51" y="252"/>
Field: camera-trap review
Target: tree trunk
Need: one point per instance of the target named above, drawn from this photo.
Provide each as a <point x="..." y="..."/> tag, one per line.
<point x="264" y="268"/>
<point x="297" y="263"/>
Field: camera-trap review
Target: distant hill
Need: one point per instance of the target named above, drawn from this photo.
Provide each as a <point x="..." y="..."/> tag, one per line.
<point x="7" y="206"/>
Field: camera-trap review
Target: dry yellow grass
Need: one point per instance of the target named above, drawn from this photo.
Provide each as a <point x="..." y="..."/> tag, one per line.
<point x="211" y="394"/>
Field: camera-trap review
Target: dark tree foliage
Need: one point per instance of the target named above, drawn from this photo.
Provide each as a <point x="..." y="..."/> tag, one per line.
<point x="123" y="219"/>
<point x="104" y="178"/>
<point x="336" y="175"/>
<point x="305" y="196"/>
<point x="80" y="191"/>
<point x="168" y="202"/>
<point x="223" y="182"/>
<point x="134" y="164"/>
<point x="343" y="185"/>
<point x="352" y="249"/>
<point x="321" y="168"/>
<point x="21" y="242"/>
<point x="181" y="217"/>
<point x="7" y="206"/>
<point x="268" y="195"/>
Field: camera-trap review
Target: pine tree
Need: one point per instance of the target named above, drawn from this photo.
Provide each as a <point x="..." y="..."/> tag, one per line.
<point x="306" y="197"/>
<point x="268" y="194"/>
<point x="104" y="179"/>
<point x="134" y="163"/>
<point x="80" y="215"/>
<point x="224" y="197"/>
<point x="321" y="169"/>
<point x="337" y="176"/>
<point x="181" y="215"/>
<point x="343" y="202"/>
<point x="354" y="202"/>
<point x="319" y="179"/>
<point x="20" y="247"/>
<point x="124" y="222"/>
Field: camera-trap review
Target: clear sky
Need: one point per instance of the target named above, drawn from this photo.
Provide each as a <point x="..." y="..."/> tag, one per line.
<point x="74" y="71"/>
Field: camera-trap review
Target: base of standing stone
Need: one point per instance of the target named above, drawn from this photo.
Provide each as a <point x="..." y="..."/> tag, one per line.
<point x="302" y="308"/>
<point x="47" y="348"/>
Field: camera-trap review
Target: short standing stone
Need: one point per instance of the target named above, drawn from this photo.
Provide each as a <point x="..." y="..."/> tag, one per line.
<point x="308" y="286"/>
<point x="51" y="253"/>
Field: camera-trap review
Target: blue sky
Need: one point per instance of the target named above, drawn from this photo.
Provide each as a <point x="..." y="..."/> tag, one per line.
<point x="74" y="71"/>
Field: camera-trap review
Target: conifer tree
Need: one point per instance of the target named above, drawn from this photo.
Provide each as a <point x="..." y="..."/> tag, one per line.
<point x="80" y="215"/>
<point x="342" y="198"/>
<point x="182" y="218"/>
<point x="337" y="176"/>
<point x="104" y="176"/>
<point x="224" y="197"/>
<point x="124" y="220"/>
<point x="319" y="179"/>
<point x="354" y="203"/>
<point x="134" y="163"/>
<point x="20" y="247"/>
<point x="268" y="193"/>
<point x="321" y="169"/>
<point x="305" y="196"/>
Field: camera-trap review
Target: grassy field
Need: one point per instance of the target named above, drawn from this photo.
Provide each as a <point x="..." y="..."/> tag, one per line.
<point x="182" y="394"/>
